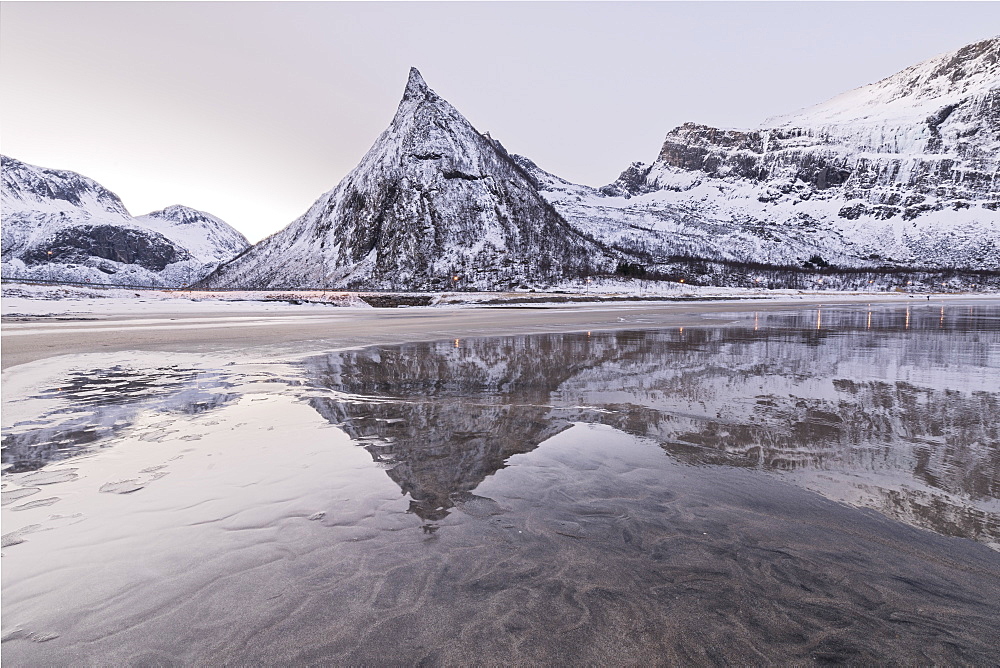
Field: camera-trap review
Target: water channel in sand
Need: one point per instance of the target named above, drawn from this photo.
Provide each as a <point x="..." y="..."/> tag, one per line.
<point x="813" y="485"/>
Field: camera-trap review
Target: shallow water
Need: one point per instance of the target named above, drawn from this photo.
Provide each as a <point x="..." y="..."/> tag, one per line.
<point x="810" y="486"/>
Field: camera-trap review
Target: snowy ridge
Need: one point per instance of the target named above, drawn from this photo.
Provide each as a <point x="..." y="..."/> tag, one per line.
<point x="201" y="234"/>
<point x="890" y="115"/>
<point x="897" y="176"/>
<point x="59" y="225"/>
<point x="30" y="189"/>
<point x="434" y="204"/>
<point x="900" y="173"/>
<point x="740" y="220"/>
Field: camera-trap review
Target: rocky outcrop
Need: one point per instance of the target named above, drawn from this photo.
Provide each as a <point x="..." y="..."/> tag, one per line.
<point x="26" y="185"/>
<point x="930" y="130"/>
<point x="754" y="155"/>
<point x="123" y="245"/>
<point x="630" y="183"/>
<point x="433" y="205"/>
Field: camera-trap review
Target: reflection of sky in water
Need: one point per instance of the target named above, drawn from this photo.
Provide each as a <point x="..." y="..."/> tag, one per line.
<point x="892" y="408"/>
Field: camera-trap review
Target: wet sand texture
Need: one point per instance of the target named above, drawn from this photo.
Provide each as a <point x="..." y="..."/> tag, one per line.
<point x="812" y="487"/>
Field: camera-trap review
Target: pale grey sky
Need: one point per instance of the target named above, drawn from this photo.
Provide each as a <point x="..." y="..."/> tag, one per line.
<point x="250" y="111"/>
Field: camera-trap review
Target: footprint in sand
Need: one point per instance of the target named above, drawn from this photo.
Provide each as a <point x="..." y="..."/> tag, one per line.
<point x="34" y="636"/>
<point x="17" y="537"/>
<point x="157" y="437"/>
<point x="134" y="484"/>
<point x="480" y="507"/>
<point x="56" y="521"/>
<point x="121" y="487"/>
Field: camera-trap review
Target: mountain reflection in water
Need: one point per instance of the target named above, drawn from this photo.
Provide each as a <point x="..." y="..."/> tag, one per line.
<point x="897" y="409"/>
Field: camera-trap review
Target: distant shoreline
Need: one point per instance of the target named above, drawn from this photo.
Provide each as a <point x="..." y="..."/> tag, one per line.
<point x="37" y="329"/>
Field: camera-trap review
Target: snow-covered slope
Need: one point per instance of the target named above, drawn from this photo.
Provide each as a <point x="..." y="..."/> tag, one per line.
<point x="938" y="106"/>
<point x="432" y="201"/>
<point x="201" y="234"/>
<point x="59" y="225"/>
<point x="900" y="173"/>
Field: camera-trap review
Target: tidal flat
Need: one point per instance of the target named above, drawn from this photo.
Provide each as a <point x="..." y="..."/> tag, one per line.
<point x="819" y="484"/>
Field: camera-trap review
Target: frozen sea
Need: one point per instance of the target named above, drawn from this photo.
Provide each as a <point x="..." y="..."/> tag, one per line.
<point x="812" y="485"/>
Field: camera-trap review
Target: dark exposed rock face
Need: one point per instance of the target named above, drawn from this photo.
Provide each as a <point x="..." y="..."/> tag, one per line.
<point x="631" y="182"/>
<point x="764" y="155"/>
<point x="713" y="151"/>
<point x="121" y="244"/>
<point x="876" y="145"/>
<point x="432" y="200"/>
<point x="752" y="155"/>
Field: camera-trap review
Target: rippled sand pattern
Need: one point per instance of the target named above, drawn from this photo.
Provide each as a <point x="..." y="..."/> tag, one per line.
<point x="817" y="488"/>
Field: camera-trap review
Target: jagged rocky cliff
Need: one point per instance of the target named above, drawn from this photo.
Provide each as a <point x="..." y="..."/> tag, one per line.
<point x="899" y="173"/>
<point x="434" y="204"/>
<point x="59" y="225"/>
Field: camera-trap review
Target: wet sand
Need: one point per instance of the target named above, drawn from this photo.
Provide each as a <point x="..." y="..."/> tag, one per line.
<point x="593" y="549"/>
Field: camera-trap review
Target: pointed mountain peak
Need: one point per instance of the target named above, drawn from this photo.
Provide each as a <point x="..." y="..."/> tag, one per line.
<point x="433" y="205"/>
<point x="416" y="87"/>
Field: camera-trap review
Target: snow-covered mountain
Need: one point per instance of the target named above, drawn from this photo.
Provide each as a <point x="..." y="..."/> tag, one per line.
<point x="201" y="234"/>
<point x="899" y="173"/>
<point x="434" y="204"/>
<point x="897" y="176"/>
<point x="59" y="225"/>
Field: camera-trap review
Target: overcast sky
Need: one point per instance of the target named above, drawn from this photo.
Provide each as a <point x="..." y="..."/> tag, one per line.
<point x="250" y="111"/>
